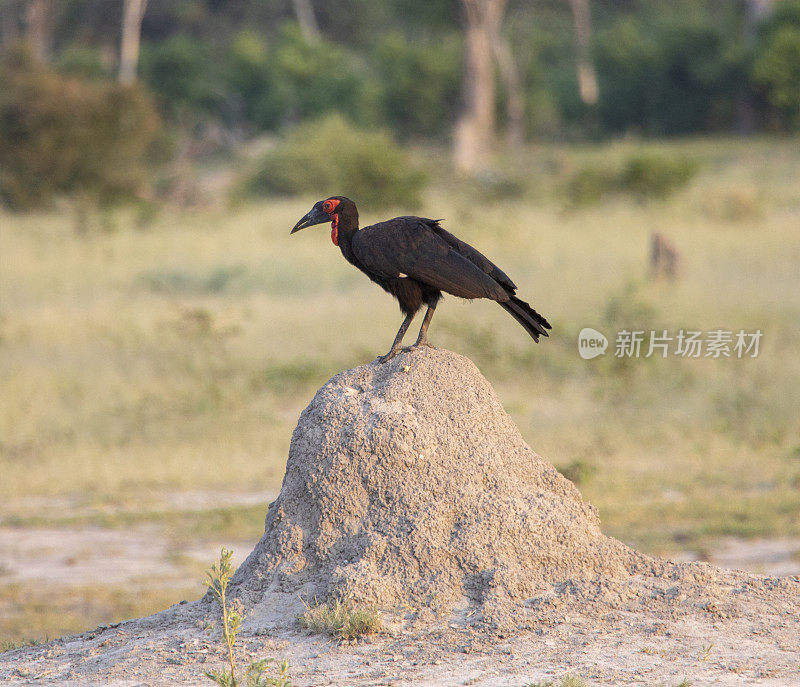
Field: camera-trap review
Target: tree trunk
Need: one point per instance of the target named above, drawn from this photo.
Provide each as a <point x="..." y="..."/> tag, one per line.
<point x="304" y="12"/>
<point x="131" y="34"/>
<point x="39" y="27"/>
<point x="515" y="96"/>
<point x="587" y="77"/>
<point x="9" y="22"/>
<point x="474" y="133"/>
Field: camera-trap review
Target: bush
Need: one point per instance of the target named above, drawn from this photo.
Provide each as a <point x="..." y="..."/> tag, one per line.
<point x="65" y="135"/>
<point x="655" y="176"/>
<point x="331" y="157"/>
<point x="777" y="69"/>
<point x="643" y="175"/>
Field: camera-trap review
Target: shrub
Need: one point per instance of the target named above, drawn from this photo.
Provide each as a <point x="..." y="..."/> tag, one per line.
<point x="65" y="135"/>
<point x="330" y="156"/>
<point x="643" y="175"/>
<point x="777" y="69"/>
<point x="590" y="184"/>
<point x="649" y="175"/>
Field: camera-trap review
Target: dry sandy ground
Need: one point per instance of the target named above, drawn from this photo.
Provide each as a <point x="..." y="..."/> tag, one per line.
<point x="172" y="648"/>
<point x="408" y="486"/>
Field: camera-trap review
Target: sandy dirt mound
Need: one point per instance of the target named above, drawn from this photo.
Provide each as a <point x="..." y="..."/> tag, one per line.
<point x="408" y="486"/>
<point x="407" y="483"/>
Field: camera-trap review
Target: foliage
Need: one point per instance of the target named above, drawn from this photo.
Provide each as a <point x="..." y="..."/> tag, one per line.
<point x="332" y="157"/>
<point x="293" y="80"/>
<point x="83" y="61"/>
<point x="642" y="175"/>
<point x="778" y="70"/>
<point x="256" y="675"/>
<point x="420" y="84"/>
<point x="342" y="619"/>
<point x="182" y="71"/>
<point x="655" y="176"/>
<point x="667" y="73"/>
<point x="69" y="136"/>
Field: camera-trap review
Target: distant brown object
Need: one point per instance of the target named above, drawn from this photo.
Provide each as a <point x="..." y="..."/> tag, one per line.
<point x="664" y="257"/>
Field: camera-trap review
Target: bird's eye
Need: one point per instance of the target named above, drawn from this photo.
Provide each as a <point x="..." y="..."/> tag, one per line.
<point x="327" y="206"/>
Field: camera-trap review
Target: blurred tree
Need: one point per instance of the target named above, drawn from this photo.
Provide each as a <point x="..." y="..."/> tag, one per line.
<point x="9" y="22"/>
<point x="419" y="83"/>
<point x="668" y="72"/>
<point x="185" y="75"/>
<point x="66" y="136"/>
<point x="587" y="77"/>
<point x="307" y="20"/>
<point x="131" y="33"/>
<point x="39" y="29"/>
<point x="474" y="133"/>
<point x="776" y="63"/>
<point x="778" y="70"/>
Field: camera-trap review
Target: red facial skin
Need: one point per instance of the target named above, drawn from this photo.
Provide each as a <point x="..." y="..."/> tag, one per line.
<point x="329" y="206"/>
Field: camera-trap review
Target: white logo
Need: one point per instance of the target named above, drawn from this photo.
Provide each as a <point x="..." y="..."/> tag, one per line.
<point x="591" y="343"/>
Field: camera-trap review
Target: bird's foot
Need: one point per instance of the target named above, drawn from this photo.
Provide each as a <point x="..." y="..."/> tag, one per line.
<point x="391" y="354"/>
<point x="418" y="345"/>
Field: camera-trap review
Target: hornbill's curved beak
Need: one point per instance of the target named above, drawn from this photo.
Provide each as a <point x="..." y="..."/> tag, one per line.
<point x="316" y="216"/>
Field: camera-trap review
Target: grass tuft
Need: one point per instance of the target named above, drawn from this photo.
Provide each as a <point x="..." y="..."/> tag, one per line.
<point x="342" y="619"/>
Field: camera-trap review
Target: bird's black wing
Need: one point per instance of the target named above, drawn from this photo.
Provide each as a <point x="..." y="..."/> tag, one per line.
<point x="412" y="247"/>
<point x="475" y="257"/>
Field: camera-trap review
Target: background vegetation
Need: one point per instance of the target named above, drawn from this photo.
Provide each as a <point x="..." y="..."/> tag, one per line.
<point x="160" y="332"/>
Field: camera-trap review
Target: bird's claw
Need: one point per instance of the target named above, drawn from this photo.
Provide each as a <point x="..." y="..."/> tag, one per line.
<point x="386" y="358"/>
<point x="417" y="346"/>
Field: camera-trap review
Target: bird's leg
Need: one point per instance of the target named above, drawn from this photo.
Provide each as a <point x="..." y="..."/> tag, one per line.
<point x="397" y="340"/>
<point x="422" y="339"/>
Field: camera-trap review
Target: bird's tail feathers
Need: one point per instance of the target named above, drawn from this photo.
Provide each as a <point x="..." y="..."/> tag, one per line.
<point x="534" y="323"/>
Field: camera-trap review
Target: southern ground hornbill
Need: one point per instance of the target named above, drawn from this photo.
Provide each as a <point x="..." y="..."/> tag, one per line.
<point x="414" y="259"/>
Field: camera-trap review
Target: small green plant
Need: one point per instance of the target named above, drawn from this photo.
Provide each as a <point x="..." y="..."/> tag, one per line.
<point x="10" y="645"/>
<point x="572" y="681"/>
<point x="705" y="654"/>
<point x="257" y="674"/>
<point x="578" y="471"/>
<point x="217" y="579"/>
<point x="342" y="619"/>
<point x="566" y="681"/>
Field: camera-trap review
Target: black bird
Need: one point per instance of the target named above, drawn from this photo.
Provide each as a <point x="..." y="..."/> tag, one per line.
<point x="415" y="259"/>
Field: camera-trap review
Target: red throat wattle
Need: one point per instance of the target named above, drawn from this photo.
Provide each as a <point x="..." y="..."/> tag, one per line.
<point x="335" y="229"/>
<point x="329" y="206"/>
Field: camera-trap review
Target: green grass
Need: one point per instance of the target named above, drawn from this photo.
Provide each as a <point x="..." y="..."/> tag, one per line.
<point x="178" y="358"/>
